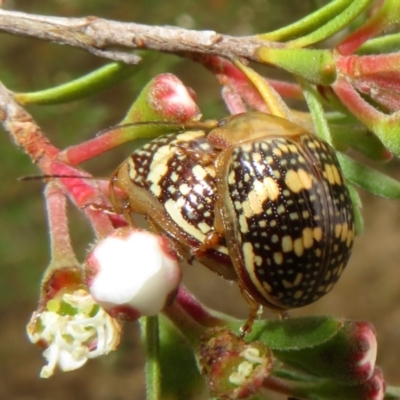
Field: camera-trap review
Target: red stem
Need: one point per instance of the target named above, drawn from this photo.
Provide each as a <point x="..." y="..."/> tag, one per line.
<point x="196" y="310"/>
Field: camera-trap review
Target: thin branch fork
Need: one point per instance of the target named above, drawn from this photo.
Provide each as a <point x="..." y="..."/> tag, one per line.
<point x="96" y="35"/>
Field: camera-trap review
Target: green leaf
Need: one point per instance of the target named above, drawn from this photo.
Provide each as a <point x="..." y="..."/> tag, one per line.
<point x="309" y="23"/>
<point x="316" y="111"/>
<point x="180" y="377"/>
<point x="293" y="333"/>
<point x="369" y="179"/>
<point x="334" y="25"/>
<point x="348" y="132"/>
<point x="392" y="393"/>
<point x="85" y="86"/>
<point x="357" y="205"/>
<point x="381" y="45"/>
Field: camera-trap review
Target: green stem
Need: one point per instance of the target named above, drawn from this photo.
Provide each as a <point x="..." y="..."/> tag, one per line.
<point x="85" y="86"/>
<point x="153" y="371"/>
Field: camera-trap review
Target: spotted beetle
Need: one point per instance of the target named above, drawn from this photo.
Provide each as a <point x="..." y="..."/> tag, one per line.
<point x="272" y="193"/>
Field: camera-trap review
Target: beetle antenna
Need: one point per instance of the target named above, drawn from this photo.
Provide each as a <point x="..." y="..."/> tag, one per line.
<point x="50" y="176"/>
<point x="207" y="125"/>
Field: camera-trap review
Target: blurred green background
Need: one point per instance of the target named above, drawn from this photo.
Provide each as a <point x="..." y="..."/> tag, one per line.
<point x="369" y="289"/>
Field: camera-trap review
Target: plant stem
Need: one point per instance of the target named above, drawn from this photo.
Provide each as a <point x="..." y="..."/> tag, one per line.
<point x="153" y="371"/>
<point x="60" y="242"/>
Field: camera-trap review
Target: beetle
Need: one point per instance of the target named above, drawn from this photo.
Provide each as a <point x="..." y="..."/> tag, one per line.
<point x="257" y="199"/>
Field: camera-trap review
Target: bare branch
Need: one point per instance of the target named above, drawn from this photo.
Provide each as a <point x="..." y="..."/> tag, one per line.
<point x="97" y="35"/>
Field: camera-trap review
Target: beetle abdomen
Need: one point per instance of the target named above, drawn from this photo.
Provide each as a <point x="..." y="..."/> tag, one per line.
<point x="288" y="218"/>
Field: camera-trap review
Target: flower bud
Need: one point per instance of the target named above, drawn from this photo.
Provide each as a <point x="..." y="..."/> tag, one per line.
<point x="351" y="355"/>
<point x="132" y="273"/>
<point x="233" y="368"/>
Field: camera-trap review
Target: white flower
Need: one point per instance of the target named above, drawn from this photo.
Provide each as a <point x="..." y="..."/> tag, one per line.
<point x="73" y="329"/>
<point x="132" y="273"/>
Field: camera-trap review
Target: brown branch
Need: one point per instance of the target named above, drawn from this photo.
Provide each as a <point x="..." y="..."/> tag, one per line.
<point x="97" y="35"/>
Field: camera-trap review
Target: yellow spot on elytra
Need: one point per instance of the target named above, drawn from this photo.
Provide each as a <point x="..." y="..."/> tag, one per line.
<point x="267" y="287"/>
<point x="244" y="227"/>
<point x="184" y="189"/>
<point x="204" y="227"/>
<point x="254" y="198"/>
<point x="262" y="223"/>
<point x="281" y="209"/>
<point x="292" y="181"/>
<point x="248" y="212"/>
<point x="231" y="178"/>
<point x="298" y="180"/>
<point x="298" y="247"/>
<point x="298" y="294"/>
<point x="287" y="244"/>
<point x="210" y="170"/>
<point x="299" y="278"/>
<point x="350" y="238"/>
<point x="317" y="233"/>
<point x="256" y="157"/>
<point x="336" y="174"/>
<point x="296" y="282"/>
<point x="268" y="189"/>
<point x="238" y="205"/>
<point x="308" y="238"/>
<point x="278" y="258"/>
<point x="345" y="230"/>
<point x="277" y="152"/>
<point x="258" y="260"/>
<point x="271" y="187"/>
<point x="283" y="147"/>
<point x="338" y="230"/>
<point x="199" y="172"/>
<point x="132" y="169"/>
<point x="329" y="288"/>
<point x="305" y="178"/>
<point x="248" y="255"/>
<point x="329" y="174"/>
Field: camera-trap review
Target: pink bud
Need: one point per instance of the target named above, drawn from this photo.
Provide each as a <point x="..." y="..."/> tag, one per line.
<point x="172" y="99"/>
<point x="365" y="352"/>
<point x="374" y="388"/>
<point x="132" y="273"/>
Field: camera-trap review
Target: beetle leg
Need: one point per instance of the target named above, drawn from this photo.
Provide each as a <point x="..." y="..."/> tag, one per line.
<point x="255" y="310"/>
<point x="212" y="240"/>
